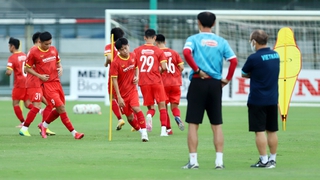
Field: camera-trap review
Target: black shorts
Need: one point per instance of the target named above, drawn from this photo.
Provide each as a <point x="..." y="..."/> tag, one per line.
<point x="204" y="94"/>
<point x="262" y="118"/>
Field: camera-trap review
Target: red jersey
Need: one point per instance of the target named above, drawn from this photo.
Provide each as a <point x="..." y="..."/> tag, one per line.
<point x="16" y="63"/>
<point x="149" y="58"/>
<point x="31" y="80"/>
<point x="172" y="77"/>
<point x="124" y="69"/>
<point x="44" y="62"/>
<point x="107" y="50"/>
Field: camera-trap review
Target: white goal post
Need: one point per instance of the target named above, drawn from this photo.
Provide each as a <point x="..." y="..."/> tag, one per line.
<point x="233" y="25"/>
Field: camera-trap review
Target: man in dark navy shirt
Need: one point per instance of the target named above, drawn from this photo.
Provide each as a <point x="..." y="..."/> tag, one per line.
<point x="262" y="67"/>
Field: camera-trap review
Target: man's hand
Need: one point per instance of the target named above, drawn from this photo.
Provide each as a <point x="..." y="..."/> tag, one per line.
<point x="60" y="70"/>
<point x="135" y="80"/>
<point x="44" y="77"/>
<point x="108" y="62"/>
<point x="203" y="75"/>
<point x="121" y="102"/>
<point x="224" y="82"/>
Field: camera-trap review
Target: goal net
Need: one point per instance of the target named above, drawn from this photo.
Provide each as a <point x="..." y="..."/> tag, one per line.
<point x="233" y="25"/>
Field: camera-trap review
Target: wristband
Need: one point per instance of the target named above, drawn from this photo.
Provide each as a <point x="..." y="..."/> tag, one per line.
<point x="197" y="72"/>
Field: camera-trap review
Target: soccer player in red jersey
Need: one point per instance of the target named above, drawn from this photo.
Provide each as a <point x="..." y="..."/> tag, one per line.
<point x="15" y="64"/>
<point x="151" y="60"/>
<point x="35" y="95"/>
<point x="46" y="60"/>
<point x="172" y="81"/>
<point x="125" y="76"/>
<point x="117" y="33"/>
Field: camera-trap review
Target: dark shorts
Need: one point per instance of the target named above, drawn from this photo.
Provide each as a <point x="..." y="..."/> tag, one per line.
<point x="262" y="118"/>
<point x="204" y="95"/>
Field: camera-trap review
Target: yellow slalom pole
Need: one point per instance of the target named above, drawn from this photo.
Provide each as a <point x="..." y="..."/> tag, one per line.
<point x="110" y="98"/>
<point x="284" y="117"/>
<point x="21" y="105"/>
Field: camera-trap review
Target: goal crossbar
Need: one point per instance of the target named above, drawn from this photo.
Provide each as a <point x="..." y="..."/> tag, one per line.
<point x="221" y="14"/>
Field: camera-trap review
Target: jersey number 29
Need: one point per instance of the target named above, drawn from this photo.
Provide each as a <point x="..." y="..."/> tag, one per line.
<point x="147" y="63"/>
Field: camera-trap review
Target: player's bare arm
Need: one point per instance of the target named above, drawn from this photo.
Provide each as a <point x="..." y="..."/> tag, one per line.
<point x="43" y="77"/>
<point x="116" y="89"/>
<point x="8" y="72"/>
<point x="163" y="66"/>
<point x="108" y="60"/>
<point x="136" y="76"/>
<point x="245" y="75"/>
<point x="181" y="67"/>
<point x="59" y="69"/>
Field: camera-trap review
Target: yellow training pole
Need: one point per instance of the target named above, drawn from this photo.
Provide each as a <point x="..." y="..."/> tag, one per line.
<point x="110" y="98"/>
<point x="285" y="87"/>
<point x="21" y="104"/>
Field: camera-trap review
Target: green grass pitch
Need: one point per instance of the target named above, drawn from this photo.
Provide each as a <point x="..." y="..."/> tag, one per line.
<point x="126" y="157"/>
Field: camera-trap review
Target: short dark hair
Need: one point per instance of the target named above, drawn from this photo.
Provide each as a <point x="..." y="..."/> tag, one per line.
<point x="160" y="38"/>
<point x="45" y="36"/>
<point x="150" y="33"/>
<point x="260" y="37"/>
<point x="15" y="42"/>
<point x="207" y="19"/>
<point x="35" y="37"/>
<point x="120" y="42"/>
<point x="117" y="33"/>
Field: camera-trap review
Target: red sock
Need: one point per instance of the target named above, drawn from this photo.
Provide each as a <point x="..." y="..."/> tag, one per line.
<point x="46" y="112"/>
<point x="30" y="106"/>
<point x="66" y="121"/>
<point x="163" y="117"/>
<point x="134" y="123"/>
<point x="116" y="109"/>
<point x="176" y="112"/>
<point x="141" y="119"/>
<point x="151" y="111"/>
<point x="18" y="112"/>
<point x="30" y="117"/>
<point x="52" y="116"/>
<point x="168" y="121"/>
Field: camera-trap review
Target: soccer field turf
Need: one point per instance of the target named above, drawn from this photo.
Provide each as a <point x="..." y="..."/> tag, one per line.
<point x="126" y="157"/>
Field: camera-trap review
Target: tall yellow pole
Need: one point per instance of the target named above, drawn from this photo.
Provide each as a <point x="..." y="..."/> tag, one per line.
<point x="111" y="88"/>
<point x="284" y="117"/>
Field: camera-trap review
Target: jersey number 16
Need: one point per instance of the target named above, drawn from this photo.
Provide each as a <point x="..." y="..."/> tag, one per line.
<point x="170" y="66"/>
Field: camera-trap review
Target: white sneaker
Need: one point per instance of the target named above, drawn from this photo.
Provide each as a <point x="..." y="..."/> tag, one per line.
<point x="164" y="134"/>
<point x="164" y="131"/>
<point x="149" y="122"/>
<point x="144" y="137"/>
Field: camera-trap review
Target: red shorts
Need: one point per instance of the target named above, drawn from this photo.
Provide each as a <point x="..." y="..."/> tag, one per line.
<point x="151" y="93"/>
<point x="35" y="94"/>
<point x="130" y="101"/>
<point x="54" y="94"/>
<point x="19" y="94"/>
<point x="173" y="94"/>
